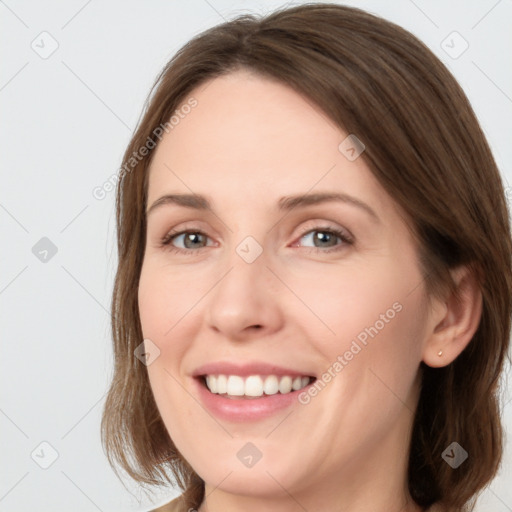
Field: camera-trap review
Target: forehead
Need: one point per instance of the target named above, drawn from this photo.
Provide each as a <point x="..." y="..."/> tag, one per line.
<point x="246" y="131"/>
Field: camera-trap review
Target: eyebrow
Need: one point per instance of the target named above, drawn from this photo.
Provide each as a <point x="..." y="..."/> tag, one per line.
<point x="286" y="203"/>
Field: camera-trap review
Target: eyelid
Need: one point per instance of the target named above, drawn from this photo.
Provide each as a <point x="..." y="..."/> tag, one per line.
<point x="319" y="225"/>
<point x="188" y="226"/>
<point x="174" y="234"/>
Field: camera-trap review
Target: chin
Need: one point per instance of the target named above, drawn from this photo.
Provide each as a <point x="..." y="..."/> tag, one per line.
<point x="265" y="482"/>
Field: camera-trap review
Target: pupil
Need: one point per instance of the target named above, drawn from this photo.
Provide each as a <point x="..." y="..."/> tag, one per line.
<point x="191" y="237"/>
<point x="323" y="236"/>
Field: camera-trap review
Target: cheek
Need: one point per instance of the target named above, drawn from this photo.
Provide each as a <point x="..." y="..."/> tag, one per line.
<point x="351" y="301"/>
<point x="371" y="364"/>
<point x="381" y="353"/>
<point x="161" y="306"/>
<point x="165" y="297"/>
<point x="369" y="327"/>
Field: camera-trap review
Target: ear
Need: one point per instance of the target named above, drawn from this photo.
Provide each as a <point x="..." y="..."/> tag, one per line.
<point x="453" y="321"/>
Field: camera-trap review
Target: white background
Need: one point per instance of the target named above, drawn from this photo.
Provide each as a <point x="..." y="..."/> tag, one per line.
<point x="66" y="121"/>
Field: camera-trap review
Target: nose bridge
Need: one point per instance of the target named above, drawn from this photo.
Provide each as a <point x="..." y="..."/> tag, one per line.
<point x="242" y="297"/>
<point x="245" y="273"/>
<point x="245" y="242"/>
<point x="250" y="250"/>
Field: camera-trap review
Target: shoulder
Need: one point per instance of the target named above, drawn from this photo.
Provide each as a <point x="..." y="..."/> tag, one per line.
<point x="176" y="505"/>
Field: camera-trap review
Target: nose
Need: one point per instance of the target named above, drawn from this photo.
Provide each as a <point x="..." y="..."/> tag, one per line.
<point x="245" y="302"/>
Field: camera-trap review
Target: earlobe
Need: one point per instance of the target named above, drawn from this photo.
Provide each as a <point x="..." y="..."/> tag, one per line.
<point x="454" y="320"/>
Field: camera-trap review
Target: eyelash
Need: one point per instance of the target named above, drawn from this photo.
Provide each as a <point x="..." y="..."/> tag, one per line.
<point x="165" y="242"/>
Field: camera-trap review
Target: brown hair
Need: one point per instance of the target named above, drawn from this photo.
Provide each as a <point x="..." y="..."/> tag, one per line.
<point x="425" y="147"/>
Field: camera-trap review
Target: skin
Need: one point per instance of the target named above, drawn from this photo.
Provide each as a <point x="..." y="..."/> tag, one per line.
<point x="248" y="142"/>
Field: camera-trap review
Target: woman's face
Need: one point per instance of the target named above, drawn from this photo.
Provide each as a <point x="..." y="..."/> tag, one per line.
<point x="263" y="291"/>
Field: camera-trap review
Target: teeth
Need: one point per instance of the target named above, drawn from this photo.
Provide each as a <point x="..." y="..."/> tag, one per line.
<point x="222" y="384"/>
<point x="297" y="383"/>
<point x="271" y="385"/>
<point x="235" y="385"/>
<point x="211" y="382"/>
<point x="285" y="385"/>
<point x="254" y="385"/>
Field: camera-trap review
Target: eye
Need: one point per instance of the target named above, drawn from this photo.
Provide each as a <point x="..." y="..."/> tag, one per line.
<point x="191" y="240"/>
<point x="327" y="237"/>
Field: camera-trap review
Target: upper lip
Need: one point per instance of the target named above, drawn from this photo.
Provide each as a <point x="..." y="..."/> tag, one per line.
<point x="246" y="369"/>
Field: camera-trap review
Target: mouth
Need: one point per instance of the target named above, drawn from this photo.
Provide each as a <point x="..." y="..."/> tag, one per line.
<point x="249" y="391"/>
<point x="237" y="387"/>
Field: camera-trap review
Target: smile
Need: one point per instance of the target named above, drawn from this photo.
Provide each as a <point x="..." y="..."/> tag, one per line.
<point x="253" y="386"/>
<point x="249" y="391"/>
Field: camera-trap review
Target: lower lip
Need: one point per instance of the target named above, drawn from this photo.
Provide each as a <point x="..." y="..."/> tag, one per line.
<point x="245" y="409"/>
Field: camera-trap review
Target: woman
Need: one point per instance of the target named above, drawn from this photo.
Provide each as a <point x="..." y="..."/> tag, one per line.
<point x="335" y="339"/>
